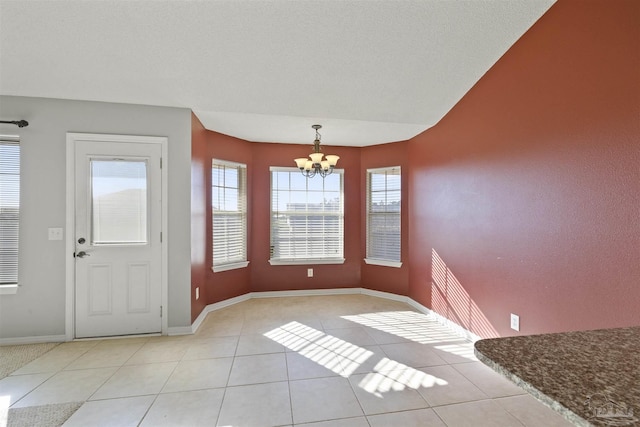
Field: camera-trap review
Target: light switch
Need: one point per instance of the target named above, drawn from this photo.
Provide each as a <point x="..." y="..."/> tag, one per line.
<point x="515" y="322"/>
<point x="55" y="234"/>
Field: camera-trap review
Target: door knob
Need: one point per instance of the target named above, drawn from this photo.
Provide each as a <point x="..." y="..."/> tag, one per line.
<point x="82" y="254"/>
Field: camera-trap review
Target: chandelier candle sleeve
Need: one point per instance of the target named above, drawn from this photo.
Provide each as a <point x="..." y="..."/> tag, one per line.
<point x="315" y="164"/>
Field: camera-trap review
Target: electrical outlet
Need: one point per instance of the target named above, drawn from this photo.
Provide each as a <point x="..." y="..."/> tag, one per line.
<point x="198" y="293"/>
<point x="309" y="272"/>
<point x="515" y="322"/>
<point x="55" y="234"/>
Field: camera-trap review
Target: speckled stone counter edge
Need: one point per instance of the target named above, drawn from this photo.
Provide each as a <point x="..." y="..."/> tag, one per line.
<point x="568" y="414"/>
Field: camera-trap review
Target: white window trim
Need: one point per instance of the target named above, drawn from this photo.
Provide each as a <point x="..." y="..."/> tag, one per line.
<point x="307" y="261"/>
<point x="228" y="163"/>
<point x="374" y="261"/>
<point x="8" y="289"/>
<point x="383" y="262"/>
<point x="236" y="264"/>
<point x="230" y="266"/>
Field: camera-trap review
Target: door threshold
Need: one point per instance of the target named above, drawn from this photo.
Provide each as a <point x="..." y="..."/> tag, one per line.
<point x="118" y="337"/>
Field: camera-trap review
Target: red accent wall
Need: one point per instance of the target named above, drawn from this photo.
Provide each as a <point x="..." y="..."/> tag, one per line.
<point x="214" y="287"/>
<point x="385" y="279"/>
<point x="525" y="198"/>
<point x="265" y="277"/>
<point x="260" y="275"/>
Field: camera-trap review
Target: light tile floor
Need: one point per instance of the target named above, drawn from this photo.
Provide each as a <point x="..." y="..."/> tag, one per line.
<point x="349" y="360"/>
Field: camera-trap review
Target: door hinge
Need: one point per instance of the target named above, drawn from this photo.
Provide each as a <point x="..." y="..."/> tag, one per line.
<point x="161" y="237"/>
<point x="160" y="162"/>
<point x="160" y="311"/>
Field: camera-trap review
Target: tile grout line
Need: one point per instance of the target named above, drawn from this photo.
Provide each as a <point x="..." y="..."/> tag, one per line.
<point x="286" y="365"/>
<point x="235" y="352"/>
<point x="54" y="373"/>
<point x="453" y="363"/>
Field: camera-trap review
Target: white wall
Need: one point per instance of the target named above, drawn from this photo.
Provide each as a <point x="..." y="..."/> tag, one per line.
<point x="38" y="308"/>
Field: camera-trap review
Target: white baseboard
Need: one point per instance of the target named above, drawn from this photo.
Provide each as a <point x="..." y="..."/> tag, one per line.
<point x="385" y="295"/>
<point x="179" y="330"/>
<point x="454" y="327"/>
<point x="32" y="340"/>
<point x="185" y="330"/>
<point x="188" y="330"/>
<point x="305" y="293"/>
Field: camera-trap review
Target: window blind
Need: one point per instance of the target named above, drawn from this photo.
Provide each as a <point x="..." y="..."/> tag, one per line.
<point x="383" y="214"/>
<point x="9" y="209"/>
<point x="307" y="216"/>
<point x="229" y="212"/>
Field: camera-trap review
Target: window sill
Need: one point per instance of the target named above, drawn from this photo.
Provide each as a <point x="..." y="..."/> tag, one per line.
<point x="383" y="262"/>
<point x="306" y="261"/>
<point x="226" y="267"/>
<point x="8" y="289"/>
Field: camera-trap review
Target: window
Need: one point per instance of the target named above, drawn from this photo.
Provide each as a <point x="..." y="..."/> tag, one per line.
<point x="118" y="202"/>
<point x="9" y="212"/>
<point x="307" y="218"/>
<point x="229" y="212"/>
<point x="383" y="216"/>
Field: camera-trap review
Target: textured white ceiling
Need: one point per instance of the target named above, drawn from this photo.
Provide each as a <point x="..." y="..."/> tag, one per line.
<point x="369" y="71"/>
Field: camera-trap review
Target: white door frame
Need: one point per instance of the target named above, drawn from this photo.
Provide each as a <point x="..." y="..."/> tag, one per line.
<point x="71" y="219"/>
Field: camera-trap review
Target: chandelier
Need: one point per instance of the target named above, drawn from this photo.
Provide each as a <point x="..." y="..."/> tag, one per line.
<point x="315" y="164"/>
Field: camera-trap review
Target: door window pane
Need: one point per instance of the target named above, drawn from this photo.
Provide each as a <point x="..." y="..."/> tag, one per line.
<point x="118" y="202"/>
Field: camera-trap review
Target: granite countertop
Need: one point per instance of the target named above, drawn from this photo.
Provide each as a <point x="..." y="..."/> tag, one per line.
<point x="592" y="378"/>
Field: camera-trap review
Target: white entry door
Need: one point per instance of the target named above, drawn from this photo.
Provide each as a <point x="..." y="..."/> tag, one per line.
<point x="118" y="223"/>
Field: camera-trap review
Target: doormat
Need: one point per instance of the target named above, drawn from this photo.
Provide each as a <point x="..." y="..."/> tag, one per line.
<point x="14" y="357"/>
<point x="42" y="416"/>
